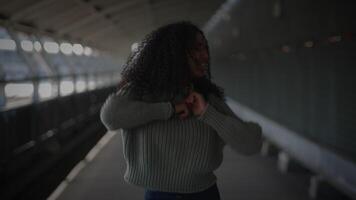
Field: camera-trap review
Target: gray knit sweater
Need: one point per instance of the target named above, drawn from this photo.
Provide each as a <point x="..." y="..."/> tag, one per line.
<point x="165" y="153"/>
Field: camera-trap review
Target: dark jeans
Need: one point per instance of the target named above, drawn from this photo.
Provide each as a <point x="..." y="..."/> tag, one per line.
<point x="211" y="193"/>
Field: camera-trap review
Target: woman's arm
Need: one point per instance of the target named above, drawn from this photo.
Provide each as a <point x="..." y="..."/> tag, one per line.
<point x="121" y="111"/>
<point x="243" y="137"/>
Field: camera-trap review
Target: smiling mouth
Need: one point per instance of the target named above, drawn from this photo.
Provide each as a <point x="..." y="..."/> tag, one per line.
<point x="202" y="68"/>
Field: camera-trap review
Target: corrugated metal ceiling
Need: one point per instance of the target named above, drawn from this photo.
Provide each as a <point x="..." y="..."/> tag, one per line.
<point x="108" y="24"/>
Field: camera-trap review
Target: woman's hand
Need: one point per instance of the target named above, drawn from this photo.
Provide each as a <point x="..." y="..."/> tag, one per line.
<point x="182" y="110"/>
<point x="196" y="103"/>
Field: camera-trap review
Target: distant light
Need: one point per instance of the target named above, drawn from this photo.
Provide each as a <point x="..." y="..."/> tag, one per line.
<point x="88" y="51"/>
<point x="66" y="48"/>
<point x="80" y="86"/>
<point x="66" y="88"/>
<point x="277" y="9"/>
<point x="51" y="47"/>
<point x="45" y="90"/>
<point x="19" y="90"/>
<point x="221" y="14"/>
<point x="7" y="44"/>
<point x="309" y="44"/>
<point x="285" y="49"/>
<point x="134" y="47"/>
<point x="78" y="49"/>
<point x="27" y="45"/>
<point x="334" y="39"/>
<point x="37" y="46"/>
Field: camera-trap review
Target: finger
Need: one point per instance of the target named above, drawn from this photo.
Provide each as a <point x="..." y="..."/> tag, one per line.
<point x="192" y="98"/>
<point x="199" y="98"/>
<point x="192" y="102"/>
<point x="189" y="99"/>
<point x="185" y="113"/>
<point x="189" y="105"/>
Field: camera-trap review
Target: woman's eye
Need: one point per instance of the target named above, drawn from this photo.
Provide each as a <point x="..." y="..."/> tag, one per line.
<point x="199" y="48"/>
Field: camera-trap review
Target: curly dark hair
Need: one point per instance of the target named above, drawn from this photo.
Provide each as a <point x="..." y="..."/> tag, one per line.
<point x="160" y="65"/>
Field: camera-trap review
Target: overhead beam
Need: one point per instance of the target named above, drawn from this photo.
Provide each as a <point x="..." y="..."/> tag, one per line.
<point x="167" y="7"/>
<point x="131" y="21"/>
<point x="63" y="16"/>
<point x="136" y="23"/>
<point x="31" y="9"/>
<point x="99" y="32"/>
<point x="98" y="14"/>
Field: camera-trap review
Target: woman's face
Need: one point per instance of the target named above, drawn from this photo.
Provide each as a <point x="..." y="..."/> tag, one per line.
<point x="198" y="57"/>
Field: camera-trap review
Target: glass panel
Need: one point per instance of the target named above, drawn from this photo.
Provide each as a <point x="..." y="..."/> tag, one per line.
<point x="104" y="80"/>
<point x="19" y="90"/>
<point x="51" y="49"/>
<point x="47" y="89"/>
<point x="72" y="54"/>
<point x="12" y="66"/>
<point x="66" y="87"/>
<point x="77" y="63"/>
<point x="116" y="78"/>
<point x="90" y="64"/>
<point x="18" y="93"/>
<point x="92" y="82"/>
<point x="32" y="48"/>
<point x="80" y="84"/>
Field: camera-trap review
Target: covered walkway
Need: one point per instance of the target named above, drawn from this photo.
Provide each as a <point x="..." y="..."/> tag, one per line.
<point x="239" y="177"/>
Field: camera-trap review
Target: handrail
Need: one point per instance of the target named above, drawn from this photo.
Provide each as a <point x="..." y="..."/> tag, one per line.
<point x="340" y="172"/>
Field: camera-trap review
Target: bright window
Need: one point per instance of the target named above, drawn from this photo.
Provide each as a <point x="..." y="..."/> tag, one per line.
<point x="45" y="90"/>
<point x="19" y="90"/>
<point x="66" y="87"/>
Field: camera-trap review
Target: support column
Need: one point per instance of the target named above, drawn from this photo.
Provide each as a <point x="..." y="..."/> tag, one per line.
<point x="320" y="189"/>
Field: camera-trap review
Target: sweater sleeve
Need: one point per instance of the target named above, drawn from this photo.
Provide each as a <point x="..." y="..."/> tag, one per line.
<point x="121" y="111"/>
<point x="243" y="137"/>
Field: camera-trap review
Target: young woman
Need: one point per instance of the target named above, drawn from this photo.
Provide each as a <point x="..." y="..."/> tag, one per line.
<point x="174" y="118"/>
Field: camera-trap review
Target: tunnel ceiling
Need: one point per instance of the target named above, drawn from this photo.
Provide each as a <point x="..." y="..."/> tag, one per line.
<point x="107" y="24"/>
